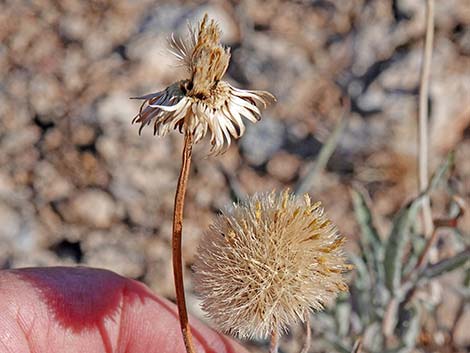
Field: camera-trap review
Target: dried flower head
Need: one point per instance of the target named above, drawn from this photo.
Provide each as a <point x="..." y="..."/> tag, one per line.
<point x="264" y="263"/>
<point x="203" y="102"/>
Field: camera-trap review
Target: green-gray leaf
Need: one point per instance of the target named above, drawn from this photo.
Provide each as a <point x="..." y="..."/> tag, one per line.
<point x="370" y="240"/>
<point x="399" y="235"/>
<point x="370" y="236"/>
<point x="396" y="244"/>
<point x="411" y="328"/>
<point x="441" y="171"/>
<point x="447" y="265"/>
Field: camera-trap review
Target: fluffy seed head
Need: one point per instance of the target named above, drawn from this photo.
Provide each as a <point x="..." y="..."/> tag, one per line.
<point x="264" y="262"/>
<point x="203" y="102"/>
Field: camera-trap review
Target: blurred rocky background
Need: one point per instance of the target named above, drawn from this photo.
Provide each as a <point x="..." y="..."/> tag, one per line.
<point x="78" y="185"/>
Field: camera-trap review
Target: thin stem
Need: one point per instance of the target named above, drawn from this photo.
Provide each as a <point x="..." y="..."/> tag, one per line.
<point x="423" y="117"/>
<point x="357" y="348"/>
<point x="308" y="333"/>
<point x="307" y="183"/>
<point x="176" y="243"/>
<point x="424" y="255"/>
<point x="274" y="346"/>
<point x="390" y="317"/>
<point x="438" y="223"/>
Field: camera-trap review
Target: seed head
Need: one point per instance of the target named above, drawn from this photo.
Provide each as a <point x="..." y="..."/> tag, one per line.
<point x="264" y="262"/>
<point x="202" y="102"/>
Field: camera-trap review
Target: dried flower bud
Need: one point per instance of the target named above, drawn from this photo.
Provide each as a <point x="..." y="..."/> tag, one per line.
<point x="203" y="102"/>
<point x="265" y="262"/>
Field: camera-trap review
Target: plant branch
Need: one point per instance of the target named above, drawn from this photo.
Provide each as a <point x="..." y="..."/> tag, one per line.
<point x="308" y="333"/>
<point x="438" y="223"/>
<point x="357" y="348"/>
<point x="274" y="344"/>
<point x="390" y="317"/>
<point x="307" y="183"/>
<point x="423" y="154"/>
<point x="176" y="242"/>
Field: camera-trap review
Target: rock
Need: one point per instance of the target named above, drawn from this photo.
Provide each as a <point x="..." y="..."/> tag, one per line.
<point x="93" y="207"/>
<point x="46" y="95"/>
<point x="10" y="222"/>
<point x="117" y="250"/>
<point x="6" y="185"/>
<point x="283" y="166"/>
<point x="117" y="108"/>
<point x="253" y="183"/>
<point x="262" y="140"/>
<point x="49" y="183"/>
<point x="159" y="267"/>
<point x="36" y="258"/>
<point x="461" y="336"/>
<point x="116" y="258"/>
<point x="83" y="135"/>
<point x="227" y="24"/>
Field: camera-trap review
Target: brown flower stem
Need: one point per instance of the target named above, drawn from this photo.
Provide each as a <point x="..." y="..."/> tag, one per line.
<point x="176" y="243"/>
<point x="308" y="333"/>
<point x="274" y="345"/>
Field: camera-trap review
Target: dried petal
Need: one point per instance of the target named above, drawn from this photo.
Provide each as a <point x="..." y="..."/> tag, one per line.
<point x="203" y="102"/>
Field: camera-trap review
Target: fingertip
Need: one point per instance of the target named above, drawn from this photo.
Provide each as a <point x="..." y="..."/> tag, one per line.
<point x="90" y="309"/>
<point x="166" y="328"/>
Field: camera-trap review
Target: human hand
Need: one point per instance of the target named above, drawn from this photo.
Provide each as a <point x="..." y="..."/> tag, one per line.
<point x="86" y="310"/>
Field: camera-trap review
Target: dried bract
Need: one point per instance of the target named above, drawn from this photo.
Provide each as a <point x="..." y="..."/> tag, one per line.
<point x="203" y="102"/>
<point x="266" y="261"/>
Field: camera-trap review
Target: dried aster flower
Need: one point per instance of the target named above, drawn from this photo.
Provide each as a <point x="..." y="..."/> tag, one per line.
<point x="266" y="262"/>
<point x="195" y="106"/>
<point x="203" y="102"/>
